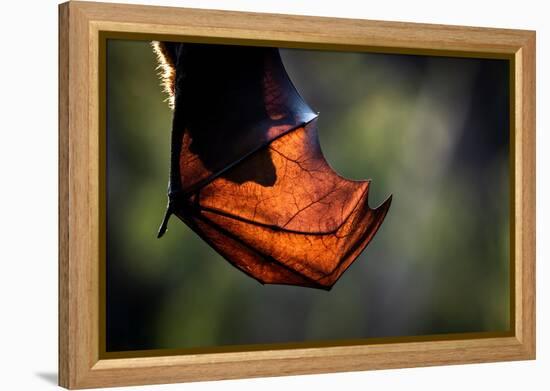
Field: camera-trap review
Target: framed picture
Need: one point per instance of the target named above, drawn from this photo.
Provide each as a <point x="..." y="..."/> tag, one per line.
<point x="247" y="195"/>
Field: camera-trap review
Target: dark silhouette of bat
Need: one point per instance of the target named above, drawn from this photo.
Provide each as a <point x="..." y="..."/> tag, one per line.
<point x="247" y="172"/>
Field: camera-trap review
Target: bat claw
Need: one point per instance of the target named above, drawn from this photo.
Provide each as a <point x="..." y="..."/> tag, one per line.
<point x="164" y="225"/>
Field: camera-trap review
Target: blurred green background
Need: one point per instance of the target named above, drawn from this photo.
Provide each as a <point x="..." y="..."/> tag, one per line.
<point x="432" y="131"/>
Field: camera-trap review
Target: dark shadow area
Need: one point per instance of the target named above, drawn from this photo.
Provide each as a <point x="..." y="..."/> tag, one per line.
<point x="230" y="101"/>
<point x="48" y="377"/>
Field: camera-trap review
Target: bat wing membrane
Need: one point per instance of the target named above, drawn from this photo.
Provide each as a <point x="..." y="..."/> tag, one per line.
<point x="311" y="222"/>
<point x="247" y="171"/>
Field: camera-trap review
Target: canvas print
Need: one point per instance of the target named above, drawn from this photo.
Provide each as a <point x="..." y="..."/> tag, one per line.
<point x="276" y="197"/>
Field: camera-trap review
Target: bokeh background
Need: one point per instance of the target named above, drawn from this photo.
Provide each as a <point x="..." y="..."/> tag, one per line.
<point x="432" y="131"/>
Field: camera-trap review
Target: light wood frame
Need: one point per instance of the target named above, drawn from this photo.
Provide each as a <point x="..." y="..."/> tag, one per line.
<point x="80" y="173"/>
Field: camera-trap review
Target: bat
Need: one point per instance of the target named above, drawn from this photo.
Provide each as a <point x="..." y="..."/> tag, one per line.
<point x="247" y="173"/>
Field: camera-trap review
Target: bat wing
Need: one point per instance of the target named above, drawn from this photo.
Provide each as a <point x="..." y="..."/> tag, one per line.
<point x="248" y="174"/>
<point x="306" y="229"/>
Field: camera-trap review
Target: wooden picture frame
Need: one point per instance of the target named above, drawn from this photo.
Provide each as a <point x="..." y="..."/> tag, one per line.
<point x="81" y="28"/>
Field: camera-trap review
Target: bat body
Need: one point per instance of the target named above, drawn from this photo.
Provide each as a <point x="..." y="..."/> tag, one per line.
<point x="247" y="172"/>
